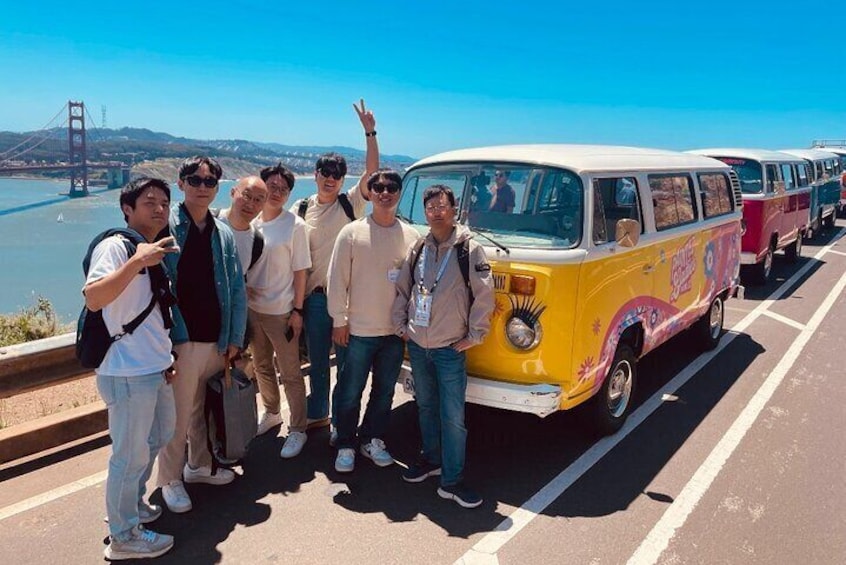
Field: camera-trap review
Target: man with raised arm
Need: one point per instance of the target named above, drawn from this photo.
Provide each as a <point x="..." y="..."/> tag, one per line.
<point x="213" y="304"/>
<point x="134" y="376"/>
<point x="364" y="267"/>
<point x="326" y="213"/>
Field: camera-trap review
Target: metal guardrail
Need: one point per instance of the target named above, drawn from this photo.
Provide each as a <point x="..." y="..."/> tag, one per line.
<point x="40" y="364"/>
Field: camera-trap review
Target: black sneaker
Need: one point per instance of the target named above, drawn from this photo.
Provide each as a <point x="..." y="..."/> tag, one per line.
<point x="421" y="471"/>
<point x="461" y="494"/>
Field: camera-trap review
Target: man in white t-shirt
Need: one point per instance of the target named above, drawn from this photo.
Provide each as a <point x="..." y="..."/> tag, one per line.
<point x="248" y="197"/>
<point x="276" y="293"/>
<point x="365" y="265"/>
<point x="134" y="377"/>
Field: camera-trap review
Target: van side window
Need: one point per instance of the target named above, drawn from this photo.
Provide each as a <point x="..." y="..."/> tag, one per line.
<point x="773" y="179"/>
<point x="802" y="170"/>
<point x="820" y="170"/>
<point x="716" y="194"/>
<point x="613" y="199"/>
<point x="787" y="176"/>
<point x="672" y="198"/>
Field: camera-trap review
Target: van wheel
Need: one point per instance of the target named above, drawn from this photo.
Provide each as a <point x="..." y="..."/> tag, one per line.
<point x="761" y="271"/>
<point x="794" y="251"/>
<point x="613" y="402"/>
<point x="709" y="328"/>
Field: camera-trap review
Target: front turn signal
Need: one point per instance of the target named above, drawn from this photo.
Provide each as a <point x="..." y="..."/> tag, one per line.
<point x="522" y="284"/>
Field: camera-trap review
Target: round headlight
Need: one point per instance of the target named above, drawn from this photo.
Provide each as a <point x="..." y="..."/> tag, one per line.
<point x="522" y="335"/>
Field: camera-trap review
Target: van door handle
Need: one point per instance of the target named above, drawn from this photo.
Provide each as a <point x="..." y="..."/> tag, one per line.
<point x="648" y="269"/>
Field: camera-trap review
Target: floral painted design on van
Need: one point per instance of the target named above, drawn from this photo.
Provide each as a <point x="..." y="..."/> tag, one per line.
<point x="683" y="267"/>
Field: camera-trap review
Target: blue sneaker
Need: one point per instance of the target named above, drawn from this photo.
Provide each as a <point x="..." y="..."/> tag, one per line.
<point x="345" y="461"/>
<point x="461" y="494"/>
<point x="376" y="452"/>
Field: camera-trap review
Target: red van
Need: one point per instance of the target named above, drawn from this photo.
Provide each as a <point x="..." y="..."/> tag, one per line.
<point x="776" y="205"/>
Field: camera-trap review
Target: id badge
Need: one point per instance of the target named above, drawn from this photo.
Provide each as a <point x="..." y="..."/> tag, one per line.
<point x="393" y="275"/>
<point x="422" y="310"/>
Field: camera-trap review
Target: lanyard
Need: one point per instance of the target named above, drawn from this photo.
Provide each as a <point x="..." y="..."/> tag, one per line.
<point x="421" y="267"/>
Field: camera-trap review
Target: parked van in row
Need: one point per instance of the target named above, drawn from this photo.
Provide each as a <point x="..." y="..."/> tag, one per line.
<point x="840" y="151"/>
<point x="824" y="175"/>
<point x="776" y="205"/>
<point x="607" y="253"/>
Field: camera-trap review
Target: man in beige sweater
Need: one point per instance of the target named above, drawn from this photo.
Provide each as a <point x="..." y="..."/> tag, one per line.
<point x="364" y="267"/>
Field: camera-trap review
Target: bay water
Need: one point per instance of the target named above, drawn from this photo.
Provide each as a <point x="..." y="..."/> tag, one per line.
<point x="44" y="236"/>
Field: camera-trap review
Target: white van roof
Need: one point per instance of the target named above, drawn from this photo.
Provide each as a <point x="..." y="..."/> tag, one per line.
<point x="835" y="150"/>
<point x="742" y="153"/>
<point x="577" y="158"/>
<point x="811" y="154"/>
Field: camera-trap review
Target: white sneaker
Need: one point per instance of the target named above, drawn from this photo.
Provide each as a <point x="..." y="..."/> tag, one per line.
<point x="141" y="544"/>
<point x="293" y="445"/>
<point x="204" y="475"/>
<point x="267" y="421"/>
<point x="345" y="461"/>
<point x="376" y="452"/>
<point x="176" y="498"/>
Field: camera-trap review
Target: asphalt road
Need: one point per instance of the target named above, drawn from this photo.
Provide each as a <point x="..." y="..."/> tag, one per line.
<point x="736" y="456"/>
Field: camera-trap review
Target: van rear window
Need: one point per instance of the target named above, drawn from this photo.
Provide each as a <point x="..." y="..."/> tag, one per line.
<point x="716" y="194"/>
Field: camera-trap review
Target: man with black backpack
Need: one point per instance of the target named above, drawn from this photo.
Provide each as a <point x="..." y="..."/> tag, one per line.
<point x="325" y="213"/>
<point x="127" y="286"/>
<point x="443" y="306"/>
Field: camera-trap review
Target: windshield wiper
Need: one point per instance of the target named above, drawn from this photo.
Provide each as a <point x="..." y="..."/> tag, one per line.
<point x="483" y="232"/>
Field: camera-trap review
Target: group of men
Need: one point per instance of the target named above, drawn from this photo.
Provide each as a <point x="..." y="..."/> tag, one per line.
<point x="258" y="272"/>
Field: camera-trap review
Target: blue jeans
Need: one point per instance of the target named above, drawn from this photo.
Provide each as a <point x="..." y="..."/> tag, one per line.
<point x="318" y="329"/>
<point x="142" y="416"/>
<point x="440" y="386"/>
<point x="384" y="355"/>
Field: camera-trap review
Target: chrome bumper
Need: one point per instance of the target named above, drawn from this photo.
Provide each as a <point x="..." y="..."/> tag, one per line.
<point x="540" y="400"/>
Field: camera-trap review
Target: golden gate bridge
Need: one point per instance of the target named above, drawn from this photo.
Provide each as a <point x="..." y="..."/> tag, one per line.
<point x="74" y="152"/>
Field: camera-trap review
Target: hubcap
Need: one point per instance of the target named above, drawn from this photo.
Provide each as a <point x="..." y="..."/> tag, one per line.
<point x="620" y="389"/>
<point x="716" y="321"/>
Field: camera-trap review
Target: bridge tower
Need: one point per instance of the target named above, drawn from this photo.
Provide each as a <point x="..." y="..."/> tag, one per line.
<point x="77" y="155"/>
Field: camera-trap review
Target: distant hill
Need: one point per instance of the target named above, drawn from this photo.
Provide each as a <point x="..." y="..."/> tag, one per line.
<point x="150" y="151"/>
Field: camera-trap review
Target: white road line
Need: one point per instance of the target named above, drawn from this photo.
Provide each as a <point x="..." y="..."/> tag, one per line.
<point x="784" y="320"/>
<point x="676" y="515"/>
<point x="836" y="252"/>
<point x="52" y="495"/>
<point x="506" y="530"/>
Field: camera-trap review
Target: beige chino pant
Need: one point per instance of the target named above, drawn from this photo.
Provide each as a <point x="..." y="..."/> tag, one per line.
<point x="197" y="362"/>
<point x="267" y="337"/>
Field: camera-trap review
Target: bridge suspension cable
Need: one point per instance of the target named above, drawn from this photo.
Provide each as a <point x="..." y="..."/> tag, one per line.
<point x="46" y="127"/>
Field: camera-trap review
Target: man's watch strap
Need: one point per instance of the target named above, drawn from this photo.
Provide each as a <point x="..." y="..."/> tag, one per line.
<point x="370" y="133"/>
<point x="297" y="310"/>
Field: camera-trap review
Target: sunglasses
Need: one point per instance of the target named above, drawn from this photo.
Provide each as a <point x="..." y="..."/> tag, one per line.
<point x="196" y="181"/>
<point x="500" y="175"/>
<point x="379" y="188"/>
<point x="327" y="172"/>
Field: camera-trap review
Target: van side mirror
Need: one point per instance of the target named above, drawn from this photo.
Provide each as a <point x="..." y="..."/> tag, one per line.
<point x="627" y="232"/>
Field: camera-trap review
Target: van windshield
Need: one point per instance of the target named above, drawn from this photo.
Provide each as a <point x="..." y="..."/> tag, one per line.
<point x="517" y="205"/>
<point x="749" y="172"/>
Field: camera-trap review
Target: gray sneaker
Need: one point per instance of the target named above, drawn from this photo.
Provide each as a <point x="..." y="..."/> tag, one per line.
<point x="141" y="544"/>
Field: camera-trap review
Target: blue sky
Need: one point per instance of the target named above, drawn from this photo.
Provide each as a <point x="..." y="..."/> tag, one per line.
<point x="438" y="75"/>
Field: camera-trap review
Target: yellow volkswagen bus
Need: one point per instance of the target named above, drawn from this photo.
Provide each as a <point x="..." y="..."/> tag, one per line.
<point x="599" y="255"/>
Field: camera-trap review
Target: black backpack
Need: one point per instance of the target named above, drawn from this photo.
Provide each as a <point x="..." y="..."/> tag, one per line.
<point x="462" y="252"/>
<point x="92" y="337"/>
<point x="342" y="198"/>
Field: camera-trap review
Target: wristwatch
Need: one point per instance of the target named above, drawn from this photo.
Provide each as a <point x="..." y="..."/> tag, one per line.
<point x="297" y="310"/>
<point x="370" y="133"/>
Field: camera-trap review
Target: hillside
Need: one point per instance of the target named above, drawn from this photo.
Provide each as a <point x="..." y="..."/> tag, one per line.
<point x="158" y="153"/>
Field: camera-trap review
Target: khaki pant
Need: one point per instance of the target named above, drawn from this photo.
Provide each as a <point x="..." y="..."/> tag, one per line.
<point x="197" y="362"/>
<point x="267" y="337"/>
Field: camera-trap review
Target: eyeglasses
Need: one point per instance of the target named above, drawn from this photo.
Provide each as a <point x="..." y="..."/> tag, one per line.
<point x="379" y="188"/>
<point x="278" y="188"/>
<point x="439" y="208"/>
<point x="327" y="172"/>
<point x="196" y="181"/>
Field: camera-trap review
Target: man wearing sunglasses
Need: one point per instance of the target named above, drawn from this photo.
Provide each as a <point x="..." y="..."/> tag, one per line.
<point x="325" y="214"/>
<point x="213" y="305"/>
<point x="364" y="267"/>
<point x="503" y="193"/>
